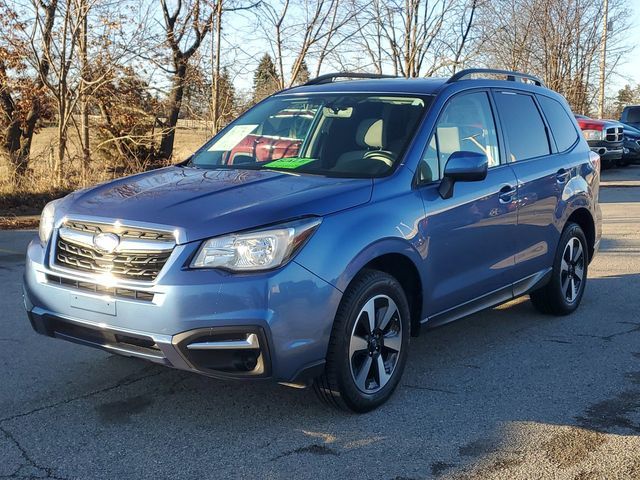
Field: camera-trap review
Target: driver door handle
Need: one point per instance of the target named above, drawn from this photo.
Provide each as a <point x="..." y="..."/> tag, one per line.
<point x="563" y="175"/>
<point x="507" y="193"/>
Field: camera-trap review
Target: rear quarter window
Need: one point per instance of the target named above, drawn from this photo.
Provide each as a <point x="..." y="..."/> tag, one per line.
<point x="562" y="128"/>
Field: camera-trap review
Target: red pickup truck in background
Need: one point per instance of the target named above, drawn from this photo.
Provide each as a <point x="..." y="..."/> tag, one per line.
<point x="605" y="138"/>
<point x="278" y="138"/>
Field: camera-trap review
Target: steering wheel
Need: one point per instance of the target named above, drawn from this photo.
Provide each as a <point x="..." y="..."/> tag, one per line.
<point x="383" y="156"/>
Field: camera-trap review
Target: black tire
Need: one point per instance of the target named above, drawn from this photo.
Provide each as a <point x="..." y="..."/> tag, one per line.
<point x="622" y="163"/>
<point x="607" y="164"/>
<point x="338" y="387"/>
<point x="563" y="293"/>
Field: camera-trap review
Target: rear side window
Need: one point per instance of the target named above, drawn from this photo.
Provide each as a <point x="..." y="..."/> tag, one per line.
<point x="560" y="123"/>
<point x="523" y="125"/>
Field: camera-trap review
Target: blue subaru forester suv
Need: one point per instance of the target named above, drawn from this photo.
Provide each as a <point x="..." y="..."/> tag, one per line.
<point x="309" y="239"/>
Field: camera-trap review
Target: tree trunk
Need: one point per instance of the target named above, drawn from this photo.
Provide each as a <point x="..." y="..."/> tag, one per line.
<point x="175" y="103"/>
<point x="84" y="103"/>
<point x="215" y="107"/>
<point x="62" y="146"/>
<point x="17" y="161"/>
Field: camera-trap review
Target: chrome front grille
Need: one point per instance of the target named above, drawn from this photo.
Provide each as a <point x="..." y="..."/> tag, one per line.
<point x="139" y="255"/>
<point x="122" y="231"/>
<point x="614" y="134"/>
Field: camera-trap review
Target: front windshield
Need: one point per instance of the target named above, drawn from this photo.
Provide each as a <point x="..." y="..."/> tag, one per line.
<point x="353" y="135"/>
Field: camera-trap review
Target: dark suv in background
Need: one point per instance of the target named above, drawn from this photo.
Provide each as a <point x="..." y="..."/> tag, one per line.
<point x="631" y="116"/>
<point x="313" y="236"/>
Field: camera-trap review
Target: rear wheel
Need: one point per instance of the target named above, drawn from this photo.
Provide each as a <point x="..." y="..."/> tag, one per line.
<point x="368" y="347"/>
<point x="563" y="293"/>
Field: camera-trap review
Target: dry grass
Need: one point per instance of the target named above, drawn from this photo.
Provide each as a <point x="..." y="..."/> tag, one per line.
<point x="38" y="187"/>
<point x="186" y="141"/>
<point x="19" y="223"/>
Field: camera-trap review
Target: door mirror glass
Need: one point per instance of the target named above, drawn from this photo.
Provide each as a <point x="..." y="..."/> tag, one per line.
<point x="463" y="166"/>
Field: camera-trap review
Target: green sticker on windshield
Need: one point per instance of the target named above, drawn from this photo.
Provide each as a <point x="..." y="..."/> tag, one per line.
<point x="290" y="163"/>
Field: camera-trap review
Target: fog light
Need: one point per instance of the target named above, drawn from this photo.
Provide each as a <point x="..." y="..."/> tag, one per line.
<point x="248" y="362"/>
<point x="228" y="351"/>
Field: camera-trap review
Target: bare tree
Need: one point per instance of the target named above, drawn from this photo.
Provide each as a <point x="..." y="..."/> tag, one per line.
<point x="557" y="40"/>
<point x="416" y="37"/>
<point x="185" y="28"/>
<point x="314" y="29"/>
<point x="215" y="60"/>
<point x="83" y="48"/>
<point x="221" y="105"/>
<point x="59" y="53"/>
<point x="66" y="78"/>
<point x="21" y="98"/>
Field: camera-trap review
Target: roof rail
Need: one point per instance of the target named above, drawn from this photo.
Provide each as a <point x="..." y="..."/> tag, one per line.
<point x="330" y="77"/>
<point x="511" y="76"/>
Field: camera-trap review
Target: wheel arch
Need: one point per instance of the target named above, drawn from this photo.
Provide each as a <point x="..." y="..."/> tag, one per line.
<point x="404" y="270"/>
<point x="582" y="216"/>
<point x="400" y="260"/>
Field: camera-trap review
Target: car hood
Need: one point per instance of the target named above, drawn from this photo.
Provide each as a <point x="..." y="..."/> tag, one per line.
<point x="203" y="203"/>
<point x="631" y="133"/>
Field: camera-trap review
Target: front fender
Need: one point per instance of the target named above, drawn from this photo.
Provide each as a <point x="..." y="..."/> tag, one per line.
<point x="346" y="241"/>
<point x="375" y="250"/>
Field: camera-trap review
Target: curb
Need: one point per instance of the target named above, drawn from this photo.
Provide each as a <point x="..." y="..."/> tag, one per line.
<point x="620" y="184"/>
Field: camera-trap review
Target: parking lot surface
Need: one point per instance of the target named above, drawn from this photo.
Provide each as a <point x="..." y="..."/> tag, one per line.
<point x="507" y="393"/>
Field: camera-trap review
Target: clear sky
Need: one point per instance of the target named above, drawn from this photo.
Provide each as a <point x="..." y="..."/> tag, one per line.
<point x="626" y="72"/>
<point x="629" y="71"/>
<point x="244" y="44"/>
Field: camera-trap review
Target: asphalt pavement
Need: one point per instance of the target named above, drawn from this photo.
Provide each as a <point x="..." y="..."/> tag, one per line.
<point x="507" y="393"/>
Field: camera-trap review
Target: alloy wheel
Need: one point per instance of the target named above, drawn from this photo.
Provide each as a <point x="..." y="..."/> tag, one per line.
<point x="572" y="269"/>
<point x="375" y="343"/>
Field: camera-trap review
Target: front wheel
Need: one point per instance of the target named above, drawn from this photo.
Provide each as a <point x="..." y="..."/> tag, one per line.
<point x="563" y="293"/>
<point x="368" y="347"/>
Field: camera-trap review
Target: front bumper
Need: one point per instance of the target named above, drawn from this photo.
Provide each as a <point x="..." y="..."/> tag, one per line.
<point x="277" y="324"/>
<point x="608" y="153"/>
<point x="632" y="150"/>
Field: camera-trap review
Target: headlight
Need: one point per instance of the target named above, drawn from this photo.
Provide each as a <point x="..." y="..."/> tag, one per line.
<point x="592" y="134"/>
<point x="257" y="250"/>
<point x="46" y="221"/>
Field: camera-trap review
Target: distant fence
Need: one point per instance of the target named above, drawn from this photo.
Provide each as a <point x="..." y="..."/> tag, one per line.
<point x="193" y="124"/>
<point x="187" y="123"/>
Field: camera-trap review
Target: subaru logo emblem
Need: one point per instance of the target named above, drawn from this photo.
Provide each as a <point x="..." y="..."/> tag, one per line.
<point x="106" y="242"/>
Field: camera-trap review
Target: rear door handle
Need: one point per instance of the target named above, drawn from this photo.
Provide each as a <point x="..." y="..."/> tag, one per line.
<point x="563" y="175"/>
<point x="506" y="194"/>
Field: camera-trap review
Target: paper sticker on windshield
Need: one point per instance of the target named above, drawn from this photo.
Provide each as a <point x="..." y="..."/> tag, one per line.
<point x="291" y="163"/>
<point x="232" y="138"/>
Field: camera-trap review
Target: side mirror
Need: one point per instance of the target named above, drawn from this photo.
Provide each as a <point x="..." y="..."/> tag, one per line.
<point x="463" y="167"/>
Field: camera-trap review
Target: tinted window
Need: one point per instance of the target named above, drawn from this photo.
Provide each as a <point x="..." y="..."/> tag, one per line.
<point x="633" y="114"/>
<point x="560" y="123"/>
<point x="523" y="126"/>
<point x="466" y="124"/>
